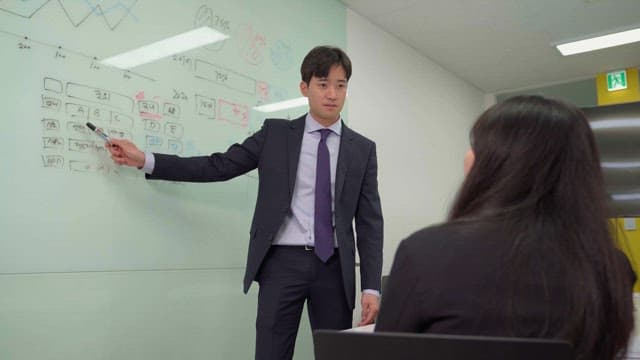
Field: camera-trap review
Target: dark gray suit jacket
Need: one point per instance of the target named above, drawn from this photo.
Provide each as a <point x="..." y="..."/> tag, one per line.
<point x="275" y="150"/>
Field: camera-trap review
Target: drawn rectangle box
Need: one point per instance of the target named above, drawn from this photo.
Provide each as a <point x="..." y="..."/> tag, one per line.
<point x="173" y="130"/>
<point x="174" y="146"/>
<point x="53" y="85"/>
<point x="77" y="110"/>
<point x="79" y="145"/>
<point x="233" y="113"/>
<point x="121" y="120"/>
<point x="119" y="134"/>
<point x="154" y="142"/>
<point x="53" y="161"/>
<point x="50" y="125"/>
<point x="172" y="110"/>
<point x="53" y="142"/>
<point x="99" y="115"/>
<point x="100" y="96"/>
<point x="51" y="103"/>
<point x="77" y="127"/>
<point x="149" y="109"/>
<point x="151" y="125"/>
<point x="228" y="78"/>
<point x="206" y="106"/>
<point x="79" y="166"/>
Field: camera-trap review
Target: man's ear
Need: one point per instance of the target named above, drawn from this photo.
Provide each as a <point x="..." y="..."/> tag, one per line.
<point x="304" y="88"/>
<point x="469" y="160"/>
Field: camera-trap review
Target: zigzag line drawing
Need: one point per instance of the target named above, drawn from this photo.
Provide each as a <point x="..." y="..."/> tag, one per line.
<point x="113" y="14"/>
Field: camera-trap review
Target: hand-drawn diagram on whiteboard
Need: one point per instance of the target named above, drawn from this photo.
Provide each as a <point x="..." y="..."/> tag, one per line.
<point x="191" y="103"/>
<point x="113" y="11"/>
<point x="68" y="106"/>
<point x="73" y="214"/>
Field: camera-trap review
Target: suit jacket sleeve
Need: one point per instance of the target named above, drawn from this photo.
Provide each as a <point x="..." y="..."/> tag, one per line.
<point x="369" y="226"/>
<point x="237" y="160"/>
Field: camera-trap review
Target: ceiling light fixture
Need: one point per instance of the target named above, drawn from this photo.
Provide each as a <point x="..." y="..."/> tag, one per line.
<point x="599" y="42"/>
<point x="170" y="46"/>
<point x="614" y="124"/>
<point x="281" y="105"/>
<point x="626" y="197"/>
<point x="620" y="164"/>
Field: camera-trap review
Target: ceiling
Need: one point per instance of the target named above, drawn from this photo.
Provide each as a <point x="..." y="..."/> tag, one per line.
<point x="506" y="45"/>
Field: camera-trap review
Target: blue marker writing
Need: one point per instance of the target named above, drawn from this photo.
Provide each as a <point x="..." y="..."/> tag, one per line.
<point x="99" y="131"/>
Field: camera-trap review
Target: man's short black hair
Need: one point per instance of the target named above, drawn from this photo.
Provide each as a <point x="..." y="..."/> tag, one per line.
<point x="321" y="59"/>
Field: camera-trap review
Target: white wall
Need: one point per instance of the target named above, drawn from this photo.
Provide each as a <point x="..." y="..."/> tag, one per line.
<point x="419" y="115"/>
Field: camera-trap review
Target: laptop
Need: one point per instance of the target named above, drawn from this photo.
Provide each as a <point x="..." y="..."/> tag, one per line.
<point x="341" y="345"/>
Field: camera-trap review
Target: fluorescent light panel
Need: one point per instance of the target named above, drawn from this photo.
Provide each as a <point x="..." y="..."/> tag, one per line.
<point x="620" y="164"/>
<point x="626" y="197"/>
<point x="167" y="47"/>
<point x="614" y="124"/>
<point x="599" y="42"/>
<point x="287" y="104"/>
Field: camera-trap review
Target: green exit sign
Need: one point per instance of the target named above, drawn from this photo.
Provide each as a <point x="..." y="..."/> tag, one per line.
<point x="617" y="80"/>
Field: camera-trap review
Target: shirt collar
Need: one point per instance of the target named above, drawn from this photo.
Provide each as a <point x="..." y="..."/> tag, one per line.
<point x="311" y="125"/>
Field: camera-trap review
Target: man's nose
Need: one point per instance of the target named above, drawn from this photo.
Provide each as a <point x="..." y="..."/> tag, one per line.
<point x="331" y="92"/>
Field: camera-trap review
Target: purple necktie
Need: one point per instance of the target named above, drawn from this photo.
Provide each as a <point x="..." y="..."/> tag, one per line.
<point x="323" y="224"/>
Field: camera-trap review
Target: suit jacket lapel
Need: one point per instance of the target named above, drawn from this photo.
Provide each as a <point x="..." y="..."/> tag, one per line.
<point x="294" y="143"/>
<point x="344" y="157"/>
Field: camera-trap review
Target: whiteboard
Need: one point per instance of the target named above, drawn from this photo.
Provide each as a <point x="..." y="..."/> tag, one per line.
<point x="67" y="209"/>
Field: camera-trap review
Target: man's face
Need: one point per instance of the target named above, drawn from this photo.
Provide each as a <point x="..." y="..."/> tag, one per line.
<point x="326" y="95"/>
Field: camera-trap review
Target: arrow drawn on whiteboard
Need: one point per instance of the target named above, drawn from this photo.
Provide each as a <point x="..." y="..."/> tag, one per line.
<point x="112" y="11"/>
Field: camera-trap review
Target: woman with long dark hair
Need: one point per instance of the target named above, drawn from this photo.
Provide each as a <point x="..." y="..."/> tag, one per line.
<point x="526" y="251"/>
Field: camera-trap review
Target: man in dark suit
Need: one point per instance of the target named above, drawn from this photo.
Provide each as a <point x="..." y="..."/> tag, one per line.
<point x="316" y="176"/>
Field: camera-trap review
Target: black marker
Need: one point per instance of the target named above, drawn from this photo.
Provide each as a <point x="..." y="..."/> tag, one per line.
<point x="99" y="132"/>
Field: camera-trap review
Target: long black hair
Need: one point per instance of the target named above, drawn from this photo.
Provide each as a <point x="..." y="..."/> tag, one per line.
<point x="537" y="170"/>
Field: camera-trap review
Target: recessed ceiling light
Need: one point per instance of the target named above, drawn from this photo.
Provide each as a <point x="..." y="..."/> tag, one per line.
<point x="167" y="47"/>
<point x="620" y="164"/>
<point x="281" y="105"/>
<point x="599" y="42"/>
<point x="614" y="124"/>
<point x="626" y="197"/>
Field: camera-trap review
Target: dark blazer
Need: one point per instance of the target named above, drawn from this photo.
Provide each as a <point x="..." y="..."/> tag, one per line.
<point x="453" y="279"/>
<point x="274" y="150"/>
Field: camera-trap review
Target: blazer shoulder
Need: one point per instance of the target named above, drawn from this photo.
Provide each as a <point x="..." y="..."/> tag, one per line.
<point x="275" y="122"/>
<point x="460" y="237"/>
<point x="350" y="133"/>
<point x="450" y="233"/>
<point x="284" y="123"/>
<point x="435" y="233"/>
